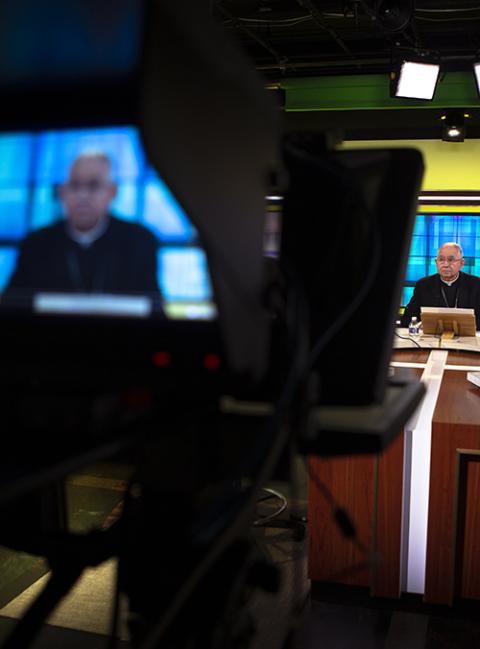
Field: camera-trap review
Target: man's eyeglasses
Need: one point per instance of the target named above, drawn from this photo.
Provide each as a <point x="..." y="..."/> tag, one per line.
<point x="449" y="260"/>
<point x="90" y="187"/>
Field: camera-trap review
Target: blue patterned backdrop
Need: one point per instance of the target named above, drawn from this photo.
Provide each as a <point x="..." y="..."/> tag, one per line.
<point x="433" y="230"/>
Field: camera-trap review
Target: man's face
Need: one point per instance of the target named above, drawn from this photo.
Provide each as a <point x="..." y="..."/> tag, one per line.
<point x="87" y="194"/>
<point x="449" y="262"/>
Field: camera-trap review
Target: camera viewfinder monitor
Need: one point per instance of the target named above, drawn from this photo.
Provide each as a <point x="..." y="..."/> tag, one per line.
<point x="88" y="227"/>
<point x="213" y="174"/>
<point x="90" y="233"/>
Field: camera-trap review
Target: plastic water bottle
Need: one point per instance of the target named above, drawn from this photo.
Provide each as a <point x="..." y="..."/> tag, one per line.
<point x="413" y="326"/>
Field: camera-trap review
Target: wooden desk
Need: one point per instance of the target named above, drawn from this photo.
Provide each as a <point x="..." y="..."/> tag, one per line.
<point x="370" y="489"/>
<point x="453" y="546"/>
<point x="375" y="490"/>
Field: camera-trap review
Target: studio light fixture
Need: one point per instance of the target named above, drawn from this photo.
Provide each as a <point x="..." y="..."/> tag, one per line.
<point x="394" y="15"/>
<point x="415" y="79"/>
<point x="453" y="126"/>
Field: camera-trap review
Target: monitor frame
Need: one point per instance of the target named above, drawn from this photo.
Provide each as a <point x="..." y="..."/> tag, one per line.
<point x="374" y="199"/>
<point x="156" y="94"/>
<point x="172" y="305"/>
<point x="439" y="320"/>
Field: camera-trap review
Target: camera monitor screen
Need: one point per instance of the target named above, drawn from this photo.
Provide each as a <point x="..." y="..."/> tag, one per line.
<point x="87" y="227"/>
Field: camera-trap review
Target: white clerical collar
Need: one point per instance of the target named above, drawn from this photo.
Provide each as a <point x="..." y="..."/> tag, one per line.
<point x="85" y="239"/>
<point x="450" y="282"/>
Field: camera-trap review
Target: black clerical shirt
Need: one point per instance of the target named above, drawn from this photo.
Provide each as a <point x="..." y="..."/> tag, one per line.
<point x="464" y="293"/>
<point x="122" y="260"/>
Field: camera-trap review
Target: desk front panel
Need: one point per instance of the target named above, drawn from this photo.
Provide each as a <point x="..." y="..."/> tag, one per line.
<point x="463" y="358"/>
<point x="410" y="355"/>
<point x="370" y="488"/>
<point x="453" y="546"/>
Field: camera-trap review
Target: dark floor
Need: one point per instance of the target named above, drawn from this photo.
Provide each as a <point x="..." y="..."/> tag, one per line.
<point x="290" y="619"/>
<point x="53" y="637"/>
<point x="335" y="626"/>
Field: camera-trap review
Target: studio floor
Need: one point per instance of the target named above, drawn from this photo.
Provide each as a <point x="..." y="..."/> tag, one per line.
<point x="289" y="619"/>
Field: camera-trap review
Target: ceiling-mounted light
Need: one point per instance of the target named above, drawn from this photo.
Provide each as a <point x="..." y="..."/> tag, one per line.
<point x="453" y="126"/>
<point x="415" y="80"/>
<point x="394" y="15"/>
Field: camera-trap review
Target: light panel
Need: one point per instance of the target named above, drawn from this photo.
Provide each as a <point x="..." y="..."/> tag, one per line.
<point x="417" y="80"/>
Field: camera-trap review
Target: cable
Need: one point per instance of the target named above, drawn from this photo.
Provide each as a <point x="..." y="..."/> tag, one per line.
<point x="273" y="441"/>
<point x="285" y="21"/>
<point x="298" y="606"/>
<point x="234" y="600"/>
<point x="263" y="520"/>
<point x="347" y="313"/>
<point x="340" y="515"/>
<point x="201" y="571"/>
<point x="408" y="338"/>
<point x="264" y="457"/>
<point x="324" y="166"/>
<point x="448" y="20"/>
<point x="319" y="19"/>
<point x="297" y="324"/>
<point x="445" y="11"/>
<point x="281" y="60"/>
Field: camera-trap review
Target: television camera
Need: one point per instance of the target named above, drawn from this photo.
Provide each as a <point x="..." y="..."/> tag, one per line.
<point x="97" y="371"/>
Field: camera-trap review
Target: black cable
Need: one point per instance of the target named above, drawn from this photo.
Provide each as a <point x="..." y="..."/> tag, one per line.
<point x="282" y="60"/>
<point x="298" y="605"/>
<point x="273" y="442"/>
<point x="264" y="457"/>
<point x="468" y="19"/>
<point x="354" y="304"/>
<point x="408" y="338"/>
<point x="445" y="11"/>
<point x="348" y="312"/>
<point x="340" y="514"/>
<point x="251" y="462"/>
<point x="233" y="601"/>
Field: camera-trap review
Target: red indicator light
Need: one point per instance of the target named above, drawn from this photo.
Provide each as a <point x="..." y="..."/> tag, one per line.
<point x="212" y="362"/>
<point x="137" y="398"/>
<point x="162" y="359"/>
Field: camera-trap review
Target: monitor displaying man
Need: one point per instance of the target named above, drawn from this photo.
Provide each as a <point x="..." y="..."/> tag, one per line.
<point x="450" y="287"/>
<point x="87" y="226"/>
<point x="90" y="251"/>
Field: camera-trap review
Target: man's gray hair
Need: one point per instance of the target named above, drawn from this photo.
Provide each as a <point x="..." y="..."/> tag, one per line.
<point x="94" y="154"/>
<point x="455" y="245"/>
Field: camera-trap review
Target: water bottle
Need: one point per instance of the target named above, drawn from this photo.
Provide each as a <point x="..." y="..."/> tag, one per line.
<point x="413" y="326"/>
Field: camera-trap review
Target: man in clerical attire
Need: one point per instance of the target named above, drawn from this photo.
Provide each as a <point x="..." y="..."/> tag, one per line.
<point x="90" y="251"/>
<point x="447" y="288"/>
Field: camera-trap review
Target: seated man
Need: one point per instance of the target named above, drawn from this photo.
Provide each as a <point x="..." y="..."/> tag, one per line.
<point x="90" y="251"/>
<point x="449" y="288"/>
